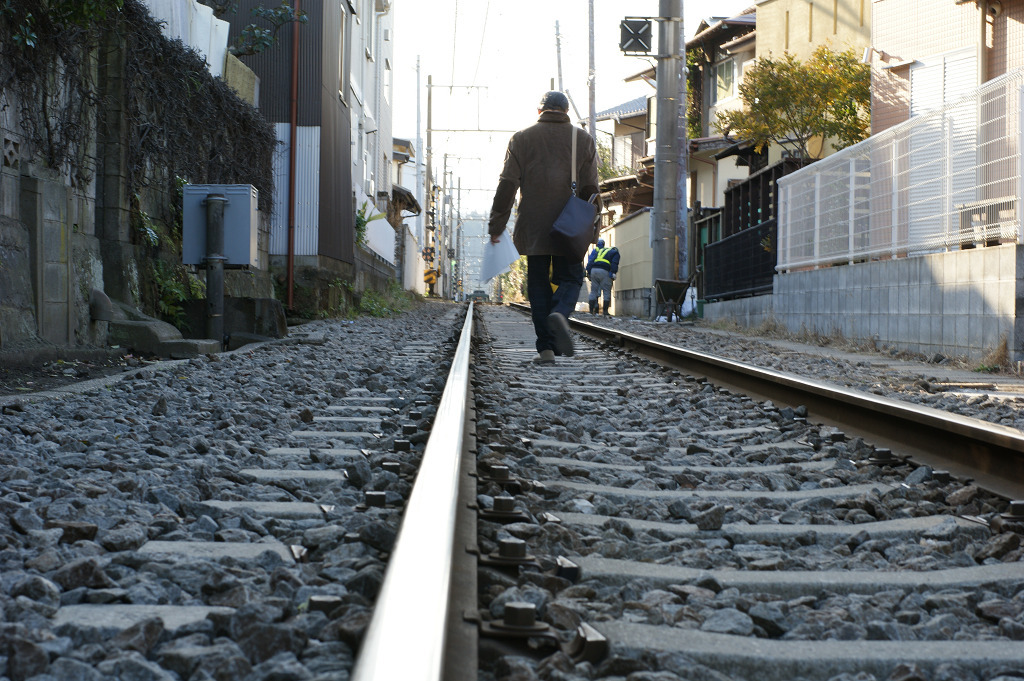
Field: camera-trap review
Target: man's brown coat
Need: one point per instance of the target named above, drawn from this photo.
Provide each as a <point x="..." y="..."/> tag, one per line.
<point x="538" y="164"/>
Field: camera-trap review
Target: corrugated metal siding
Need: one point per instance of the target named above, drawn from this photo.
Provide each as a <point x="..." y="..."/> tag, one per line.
<point x="274" y="66"/>
<point x="307" y="191"/>
<point x="324" y="218"/>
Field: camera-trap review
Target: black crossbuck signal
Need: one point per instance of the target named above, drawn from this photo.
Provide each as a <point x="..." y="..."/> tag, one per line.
<point x="635" y="36"/>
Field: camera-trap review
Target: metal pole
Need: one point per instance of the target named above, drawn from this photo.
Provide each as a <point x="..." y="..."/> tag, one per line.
<point x="592" y="78"/>
<point x="215" y="266"/>
<point x="666" y="153"/>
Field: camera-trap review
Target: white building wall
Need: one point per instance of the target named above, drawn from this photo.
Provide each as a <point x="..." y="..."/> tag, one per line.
<point x="370" y="97"/>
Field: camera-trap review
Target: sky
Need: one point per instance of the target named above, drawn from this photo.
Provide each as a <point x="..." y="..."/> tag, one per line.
<point x="491" y="60"/>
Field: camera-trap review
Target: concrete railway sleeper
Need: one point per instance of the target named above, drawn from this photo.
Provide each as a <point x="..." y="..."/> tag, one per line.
<point x="229" y="517"/>
<point x="334" y="506"/>
<point x="641" y="524"/>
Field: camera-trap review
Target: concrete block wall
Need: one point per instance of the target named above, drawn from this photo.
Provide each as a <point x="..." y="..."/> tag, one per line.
<point x="635" y="302"/>
<point x="962" y="303"/>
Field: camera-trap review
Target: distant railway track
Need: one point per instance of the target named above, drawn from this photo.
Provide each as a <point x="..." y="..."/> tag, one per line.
<point x="990" y="454"/>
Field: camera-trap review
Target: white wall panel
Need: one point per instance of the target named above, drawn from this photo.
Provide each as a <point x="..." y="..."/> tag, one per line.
<point x="196" y="26"/>
<point x="307" y="191"/>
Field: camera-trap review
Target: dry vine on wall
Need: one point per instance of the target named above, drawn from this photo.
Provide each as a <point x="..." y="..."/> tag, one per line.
<point x="185" y="122"/>
<point x="47" y="78"/>
<point x="180" y="123"/>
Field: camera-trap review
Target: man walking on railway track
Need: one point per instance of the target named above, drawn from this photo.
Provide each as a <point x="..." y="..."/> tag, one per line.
<point x="602" y="265"/>
<point x="538" y="162"/>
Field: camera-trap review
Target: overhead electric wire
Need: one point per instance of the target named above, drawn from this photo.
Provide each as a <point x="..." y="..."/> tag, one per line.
<point x="455" y="42"/>
<point x="483" y="36"/>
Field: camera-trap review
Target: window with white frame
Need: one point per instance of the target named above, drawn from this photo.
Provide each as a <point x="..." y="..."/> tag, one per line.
<point x="369" y="28"/>
<point x="941" y="79"/>
<point x="723" y="80"/>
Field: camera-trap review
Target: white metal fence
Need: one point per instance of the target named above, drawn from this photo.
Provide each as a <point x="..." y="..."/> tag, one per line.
<point x="945" y="180"/>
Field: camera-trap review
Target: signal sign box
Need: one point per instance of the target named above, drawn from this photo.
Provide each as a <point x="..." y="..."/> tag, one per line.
<point x="635" y="36"/>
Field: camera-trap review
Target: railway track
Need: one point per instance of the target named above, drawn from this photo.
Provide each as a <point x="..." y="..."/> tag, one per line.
<point x="604" y="516"/>
<point x="678" y="526"/>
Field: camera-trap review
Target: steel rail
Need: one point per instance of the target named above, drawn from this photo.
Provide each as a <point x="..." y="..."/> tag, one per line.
<point x="992" y="455"/>
<point x="406" y="635"/>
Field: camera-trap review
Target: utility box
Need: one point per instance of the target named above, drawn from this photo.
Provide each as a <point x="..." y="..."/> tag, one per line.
<point x="241" y="221"/>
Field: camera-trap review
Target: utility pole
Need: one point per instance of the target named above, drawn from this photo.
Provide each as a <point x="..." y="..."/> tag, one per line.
<point x="430" y="220"/>
<point x="558" y="54"/>
<point x="683" y="178"/>
<point x="443" y="262"/>
<point x="421" y="232"/>
<point x="460" y="256"/>
<point x="591" y="126"/>
<point x="667" y="182"/>
<point x="426" y="175"/>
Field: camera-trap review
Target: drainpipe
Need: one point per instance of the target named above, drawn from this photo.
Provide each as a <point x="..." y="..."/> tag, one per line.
<point x="215" y="267"/>
<point x="292" y="142"/>
<point x="378" y="168"/>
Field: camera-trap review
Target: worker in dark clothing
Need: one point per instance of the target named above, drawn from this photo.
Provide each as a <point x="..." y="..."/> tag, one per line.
<point x="602" y="266"/>
<point x="538" y="163"/>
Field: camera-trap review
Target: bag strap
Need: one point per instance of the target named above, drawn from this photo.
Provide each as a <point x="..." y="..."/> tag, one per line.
<point x="573" y="158"/>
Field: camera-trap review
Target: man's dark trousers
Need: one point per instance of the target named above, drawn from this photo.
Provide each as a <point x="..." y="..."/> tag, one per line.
<point x="567" y="275"/>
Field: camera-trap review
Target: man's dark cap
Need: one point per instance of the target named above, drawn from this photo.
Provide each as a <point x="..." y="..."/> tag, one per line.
<point x="554" y="100"/>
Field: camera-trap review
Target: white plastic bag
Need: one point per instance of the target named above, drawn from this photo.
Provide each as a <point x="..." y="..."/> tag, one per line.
<point x="689" y="305"/>
<point x="498" y="257"/>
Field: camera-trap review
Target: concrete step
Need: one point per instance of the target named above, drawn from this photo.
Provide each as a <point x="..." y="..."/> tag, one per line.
<point x="158" y="338"/>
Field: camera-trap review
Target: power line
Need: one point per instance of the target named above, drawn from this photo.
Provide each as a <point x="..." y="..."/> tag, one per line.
<point x="483" y="36"/>
<point x="455" y="42"/>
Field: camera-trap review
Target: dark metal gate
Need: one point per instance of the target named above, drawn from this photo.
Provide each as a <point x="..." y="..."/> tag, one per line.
<point x="742" y="264"/>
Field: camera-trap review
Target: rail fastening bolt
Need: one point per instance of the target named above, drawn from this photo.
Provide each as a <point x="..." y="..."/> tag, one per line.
<point x="520" y="614"/>
<point x="1016" y="510"/>
<point x="512" y="548"/>
<point x="504" y="504"/>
